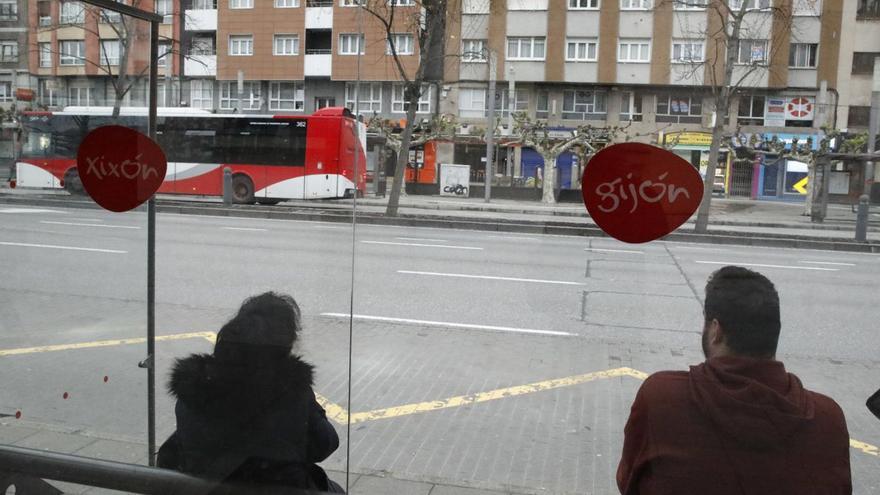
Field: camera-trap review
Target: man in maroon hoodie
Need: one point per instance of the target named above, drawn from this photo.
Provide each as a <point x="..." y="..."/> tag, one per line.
<point x="738" y="423"/>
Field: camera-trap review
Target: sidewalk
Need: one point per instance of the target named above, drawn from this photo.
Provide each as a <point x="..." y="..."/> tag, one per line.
<point x="52" y="438"/>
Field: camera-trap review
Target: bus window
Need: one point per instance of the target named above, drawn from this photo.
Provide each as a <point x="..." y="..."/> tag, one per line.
<point x="37" y="143"/>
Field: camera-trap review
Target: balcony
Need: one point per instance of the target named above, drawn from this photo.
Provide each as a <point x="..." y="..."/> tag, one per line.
<point x="201" y="20"/>
<point x="319" y="17"/>
<point x="200" y="65"/>
<point x="318" y="64"/>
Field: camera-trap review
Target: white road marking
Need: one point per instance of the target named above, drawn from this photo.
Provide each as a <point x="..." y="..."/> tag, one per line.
<point x="513" y="238"/>
<point x="826" y="263"/>
<point x="67" y="248"/>
<point x="600" y="250"/>
<point x="451" y="325"/>
<point x="30" y="210"/>
<point x="334" y="227"/>
<point x="760" y="265"/>
<point x="420" y="239"/>
<point x="249" y="229"/>
<point x="490" y="277"/>
<point x="422" y="245"/>
<point x="77" y="224"/>
<point x="87" y="219"/>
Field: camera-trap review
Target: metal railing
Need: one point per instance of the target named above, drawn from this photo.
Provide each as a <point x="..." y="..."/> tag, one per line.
<point x="319" y="51"/>
<point x="319" y="3"/>
<point x="26" y="470"/>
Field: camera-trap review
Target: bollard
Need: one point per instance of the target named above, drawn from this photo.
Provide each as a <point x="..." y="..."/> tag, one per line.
<point x="227" y="186"/>
<point x="862" y="219"/>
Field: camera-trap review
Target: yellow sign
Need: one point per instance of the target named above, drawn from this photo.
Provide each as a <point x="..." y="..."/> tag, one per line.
<point x="689" y="138"/>
<point x="801" y="185"/>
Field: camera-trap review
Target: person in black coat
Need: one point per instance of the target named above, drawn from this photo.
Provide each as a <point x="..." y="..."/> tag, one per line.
<point x="247" y="414"/>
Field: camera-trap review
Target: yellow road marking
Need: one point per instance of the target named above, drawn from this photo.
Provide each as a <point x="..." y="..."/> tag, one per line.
<point x="865" y="448"/>
<point x="209" y="336"/>
<point x="334" y="411"/>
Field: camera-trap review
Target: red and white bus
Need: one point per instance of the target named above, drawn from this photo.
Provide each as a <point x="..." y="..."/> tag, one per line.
<point x="272" y="157"/>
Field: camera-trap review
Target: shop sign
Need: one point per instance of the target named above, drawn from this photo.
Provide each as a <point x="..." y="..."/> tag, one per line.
<point x="774" y="112"/>
<point x="800" y="108"/>
<point x="688" y="138"/>
<point x="638" y="193"/>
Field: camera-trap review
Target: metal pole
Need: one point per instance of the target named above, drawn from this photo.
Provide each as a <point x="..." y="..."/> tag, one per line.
<point x="511" y="100"/>
<point x="227" y="186"/>
<point x="151" y="261"/>
<point x="490" y="129"/>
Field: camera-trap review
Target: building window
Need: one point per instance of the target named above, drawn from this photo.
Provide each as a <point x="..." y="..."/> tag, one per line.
<point x="542" y="104"/>
<point x="287" y="96"/>
<point x="162" y="98"/>
<point x="163" y="55"/>
<point x="241" y="4"/>
<point x="687" y="51"/>
<point x="9" y="51"/>
<point x="79" y="97"/>
<point x="241" y="45"/>
<point x="401" y="3"/>
<point x="44" y="13"/>
<point x="583" y="105"/>
<point x="204" y="4"/>
<point x="472" y="102"/>
<point x="202" y="45"/>
<point x="403" y="44"/>
<point x="201" y="94"/>
<point x="736" y="5"/>
<point x="525" y="48"/>
<point x="72" y="52"/>
<point x="250" y="95"/>
<point x="583" y="4"/>
<point x="45" y="54"/>
<point x="399" y="105"/>
<point x="679" y="108"/>
<point x="46" y="93"/>
<point x="351" y="44"/>
<point x="751" y="110"/>
<point x="8" y="10"/>
<point x="635" y="4"/>
<point x="863" y="62"/>
<point x="475" y="7"/>
<point x="752" y="52"/>
<point x="6" y="91"/>
<point x="286" y="4"/>
<point x="286" y="44"/>
<point x="473" y="51"/>
<point x="631" y="106"/>
<point x="634" y="51"/>
<point x="807" y="7"/>
<point x="690" y="4"/>
<point x="110" y="52"/>
<point x="111" y="17"/>
<point x="352" y="3"/>
<point x="581" y="50"/>
<point x="72" y="13"/>
<point x="868" y="9"/>
<point x="502" y="102"/>
<point x="859" y="116"/>
<point x="165" y="8"/>
<point x="803" y="55"/>
<point x="370" y="97"/>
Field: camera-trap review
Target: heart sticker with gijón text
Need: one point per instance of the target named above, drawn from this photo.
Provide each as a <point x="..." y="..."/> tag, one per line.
<point x="119" y="167"/>
<point x="638" y="193"/>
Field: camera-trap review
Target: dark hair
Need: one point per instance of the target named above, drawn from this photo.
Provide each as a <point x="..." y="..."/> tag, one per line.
<point x="265" y="328"/>
<point x="746" y="305"/>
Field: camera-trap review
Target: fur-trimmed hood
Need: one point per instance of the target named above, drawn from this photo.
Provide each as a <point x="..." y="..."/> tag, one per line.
<point x="202" y="381"/>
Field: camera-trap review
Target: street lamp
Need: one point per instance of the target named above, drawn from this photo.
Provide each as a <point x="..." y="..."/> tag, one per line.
<point x="490" y="129"/>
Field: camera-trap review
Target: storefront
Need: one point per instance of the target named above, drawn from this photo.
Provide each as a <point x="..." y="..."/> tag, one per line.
<point x="779" y="177"/>
<point x="693" y="147"/>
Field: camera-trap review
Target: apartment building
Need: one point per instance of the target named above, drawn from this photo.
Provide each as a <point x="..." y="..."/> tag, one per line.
<point x="77" y="51"/>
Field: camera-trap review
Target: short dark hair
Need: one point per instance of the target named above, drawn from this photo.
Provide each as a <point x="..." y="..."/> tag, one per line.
<point x="266" y="326"/>
<point x="746" y="305"/>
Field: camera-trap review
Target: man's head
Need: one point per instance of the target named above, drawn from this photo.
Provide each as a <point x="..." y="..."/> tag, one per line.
<point x="741" y="314"/>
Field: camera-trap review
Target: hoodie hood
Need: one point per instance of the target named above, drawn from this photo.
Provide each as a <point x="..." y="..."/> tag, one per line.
<point x="204" y="382"/>
<point x="751" y="401"/>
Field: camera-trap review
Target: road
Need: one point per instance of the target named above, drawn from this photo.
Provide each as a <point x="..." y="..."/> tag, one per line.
<point x="480" y="359"/>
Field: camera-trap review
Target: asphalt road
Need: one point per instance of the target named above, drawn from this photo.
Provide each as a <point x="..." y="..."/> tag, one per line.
<point x="440" y="314"/>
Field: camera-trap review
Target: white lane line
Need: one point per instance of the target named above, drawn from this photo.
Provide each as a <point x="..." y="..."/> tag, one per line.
<point x="759" y="265"/>
<point x="826" y="263"/>
<point x="451" y="325"/>
<point x="513" y="238"/>
<point x="422" y="245"/>
<point x="333" y="227"/>
<point x="30" y="210"/>
<point x="67" y="248"/>
<point x="420" y="239"/>
<point x="78" y="224"/>
<point x="87" y="219"/>
<point x="248" y="229"/>
<point x="490" y="277"/>
<point x="599" y="250"/>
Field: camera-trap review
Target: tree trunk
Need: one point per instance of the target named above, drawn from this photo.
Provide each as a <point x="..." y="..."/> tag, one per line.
<point x="702" y="224"/>
<point x="549" y="186"/>
<point x="811" y="181"/>
<point x="403" y="155"/>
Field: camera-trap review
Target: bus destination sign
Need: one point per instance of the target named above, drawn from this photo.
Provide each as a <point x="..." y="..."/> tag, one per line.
<point x="638" y="193"/>
<point x="119" y="167"/>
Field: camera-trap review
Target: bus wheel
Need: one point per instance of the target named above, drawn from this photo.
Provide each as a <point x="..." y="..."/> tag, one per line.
<point x="73" y="184"/>
<point x="242" y="190"/>
<point x="268" y="202"/>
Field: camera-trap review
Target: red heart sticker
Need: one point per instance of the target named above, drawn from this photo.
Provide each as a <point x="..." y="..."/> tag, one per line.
<point x="119" y="167"/>
<point x="638" y="193"/>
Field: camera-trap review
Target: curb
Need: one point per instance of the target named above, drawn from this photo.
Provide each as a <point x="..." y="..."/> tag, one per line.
<point x="491" y="225"/>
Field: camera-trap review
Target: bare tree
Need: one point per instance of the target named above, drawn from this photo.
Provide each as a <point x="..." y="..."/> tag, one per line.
<point x="426" y="21"/>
